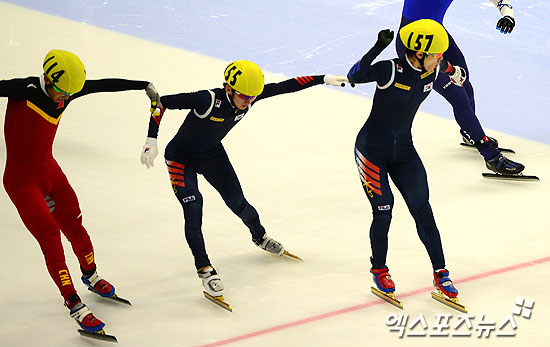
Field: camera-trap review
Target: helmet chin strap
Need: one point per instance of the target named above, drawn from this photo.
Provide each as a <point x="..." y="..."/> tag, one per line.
<point x="230" y="97"/>
<point x="421" y="61"/>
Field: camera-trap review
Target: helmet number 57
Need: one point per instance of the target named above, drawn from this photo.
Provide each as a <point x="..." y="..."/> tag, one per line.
<point x="418" y="44"/>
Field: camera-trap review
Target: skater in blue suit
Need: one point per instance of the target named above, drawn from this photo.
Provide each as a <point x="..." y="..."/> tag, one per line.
<point x="462" y="98"/>
<point x="384" y="147"/>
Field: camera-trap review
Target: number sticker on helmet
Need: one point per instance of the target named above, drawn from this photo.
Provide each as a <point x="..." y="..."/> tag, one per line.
<point x="234" y="79"/>
<point x="418" y="44"/>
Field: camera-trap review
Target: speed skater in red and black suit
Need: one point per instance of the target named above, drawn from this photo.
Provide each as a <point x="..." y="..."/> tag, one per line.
<point x="34" y="181"/>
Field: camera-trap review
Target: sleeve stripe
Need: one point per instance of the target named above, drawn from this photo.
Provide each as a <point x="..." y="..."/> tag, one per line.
<point x="303" y="80"/>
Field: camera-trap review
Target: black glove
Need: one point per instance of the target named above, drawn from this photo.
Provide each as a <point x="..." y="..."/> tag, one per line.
<point x="506" y="24"/>
<point x="384" y="38"/>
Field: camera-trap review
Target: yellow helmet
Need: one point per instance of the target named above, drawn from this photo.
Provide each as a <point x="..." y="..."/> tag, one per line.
<point x="245" y="77"/>
<point x="65" y="71"/>
<point x="425" y="35"/>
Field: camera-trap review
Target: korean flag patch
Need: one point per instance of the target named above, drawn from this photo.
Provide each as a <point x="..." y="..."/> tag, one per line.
<point x="428" y="87"/>
<point x="218" y="103"/>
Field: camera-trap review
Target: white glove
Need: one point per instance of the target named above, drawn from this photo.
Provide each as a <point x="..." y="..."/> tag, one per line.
<point x="149" y="152"/>
<point x="154" y="96"/>
<point x="458" y="76"/>
<point x="338" y="81"/>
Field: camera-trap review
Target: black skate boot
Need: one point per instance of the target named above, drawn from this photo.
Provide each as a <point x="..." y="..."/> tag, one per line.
<point x="504" y="166"/>
<point x="492" y="141"/>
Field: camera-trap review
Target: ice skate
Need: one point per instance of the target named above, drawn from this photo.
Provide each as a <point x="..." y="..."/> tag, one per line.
<point x="268" y="244"/>
<point x="447" y="294"/>
<point x="101" y="287"/>
<point x="506" y="169"/>
<point x="492" y="141"/>
<point x="385" y="286"/>
<point x="89" y="324"/>
<point x="213" y="286"/>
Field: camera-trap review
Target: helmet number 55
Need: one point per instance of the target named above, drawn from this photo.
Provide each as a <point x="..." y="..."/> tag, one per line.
<point x="234" y="78"/>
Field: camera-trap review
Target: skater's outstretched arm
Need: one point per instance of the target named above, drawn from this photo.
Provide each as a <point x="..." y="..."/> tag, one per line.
<point x="15" y="88"/>
<point x="300" y="83"/>
<point x="507" y="23"/>
<point x="363" y="71"/>
<point x="199" y="101"/>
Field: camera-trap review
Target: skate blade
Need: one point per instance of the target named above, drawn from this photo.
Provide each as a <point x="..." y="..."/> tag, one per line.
<point x="121" y="300"/>
<point x="519" y="177"/>
<point x="451" y="302"/>
<point x="293" y="256"/>
<point x="100" y="335"/>
<point x="114" y="297"/>
<point x="504" y="150"/>
<point x="218" y="300"/>
<point x="388" y="297"/>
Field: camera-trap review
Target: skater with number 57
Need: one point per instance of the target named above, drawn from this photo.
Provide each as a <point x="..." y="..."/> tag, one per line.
<point x="384" y="147"/>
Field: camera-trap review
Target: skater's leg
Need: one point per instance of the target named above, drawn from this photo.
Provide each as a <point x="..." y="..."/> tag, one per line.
<point x="410" y="178"/>
<point x="67" y="213"/>
<point x="219" y="172"/>
<point x="36" y="216"/>
<point x="463" y="103"/>
<point x="185" y="186"/>
<point x="374" y="178"/>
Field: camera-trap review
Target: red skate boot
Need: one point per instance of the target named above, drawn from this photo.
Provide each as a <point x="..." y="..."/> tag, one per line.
<point x="446" y="292"/>
<point x="385" y="286"/>
<point x="91" y="326"/>
<point x="101" y="287"/>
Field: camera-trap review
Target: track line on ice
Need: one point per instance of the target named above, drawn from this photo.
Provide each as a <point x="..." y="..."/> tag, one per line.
<point x="367" y="304"/>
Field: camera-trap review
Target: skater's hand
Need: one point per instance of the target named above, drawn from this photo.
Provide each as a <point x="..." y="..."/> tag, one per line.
<point x="149" y="152"/>
<point x="385" y="37"/>
<point x="156" y="106"/>
<point x="506" y="24"/>
<point x="458" y="76"/>
<point x="338" y="81"/>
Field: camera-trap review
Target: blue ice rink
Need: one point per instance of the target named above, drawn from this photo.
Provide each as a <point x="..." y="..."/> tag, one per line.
<point x="509" y="72"/>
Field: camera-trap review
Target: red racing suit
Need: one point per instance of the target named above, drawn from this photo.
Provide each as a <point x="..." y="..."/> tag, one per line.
<point x="34" y="181"/>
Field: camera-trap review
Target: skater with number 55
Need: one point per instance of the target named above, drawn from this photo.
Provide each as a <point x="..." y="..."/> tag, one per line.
<point x="197" y="149"/>
<point x="384" y="147"/>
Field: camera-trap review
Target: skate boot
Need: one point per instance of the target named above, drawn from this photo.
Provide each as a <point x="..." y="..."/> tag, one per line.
<point x="446" y="292"/>
<point x="443" y="283"/>
<point x="213" y="286"/>
<point x="385" y="286"/>
<point x="268" y="244"/>
<point x="492" y="141"/>
<point x="382" y="279"/>
<point x="83" y="316"/>
<point x="211" y="282"/>
<point x="504" y="166"/>
<point x="98" y="285"/>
